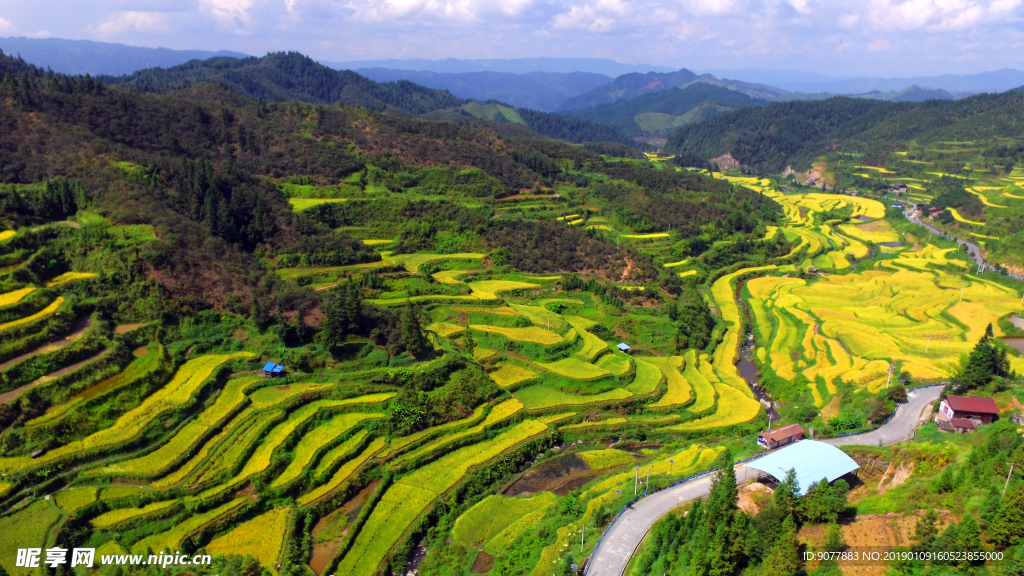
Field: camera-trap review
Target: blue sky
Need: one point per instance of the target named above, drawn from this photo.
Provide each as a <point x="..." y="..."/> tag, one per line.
<point x="842" y="38"/>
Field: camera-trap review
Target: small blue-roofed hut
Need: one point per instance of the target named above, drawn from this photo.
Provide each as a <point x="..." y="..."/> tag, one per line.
<point x="271" y="370"/>
<point x="623" y="347"/>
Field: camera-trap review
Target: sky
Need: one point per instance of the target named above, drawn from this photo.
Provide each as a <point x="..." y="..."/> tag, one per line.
<point x="835" y="37"/>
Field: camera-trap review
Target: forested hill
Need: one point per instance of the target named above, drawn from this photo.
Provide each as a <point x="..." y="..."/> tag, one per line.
<point x="659" y="113"/>
<point x="772" y="137"/>
<point x="290" y="76"/>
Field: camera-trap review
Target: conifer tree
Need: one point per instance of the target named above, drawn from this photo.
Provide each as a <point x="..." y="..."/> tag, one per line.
<point x="784" y="557"/>
<point x="413" y="338"/>
<point x="925" y="531"/>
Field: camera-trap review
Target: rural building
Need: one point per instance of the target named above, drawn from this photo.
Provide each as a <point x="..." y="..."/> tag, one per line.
<point x="898" y="188"/>
<point x="965" y="413"/>
<point x="933" y="212"/>
<point x="809" y="459"/>
<point x="897" y="205"/>
<point x="271" y="370"/>
<point x="1018" y="419"/>
<point x="772" y="439"/>
<point x="623" y="347"/>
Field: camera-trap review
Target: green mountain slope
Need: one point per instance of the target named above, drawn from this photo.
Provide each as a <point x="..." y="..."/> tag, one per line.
<point x="291" y="77"/>
<point x="780" y="134"/>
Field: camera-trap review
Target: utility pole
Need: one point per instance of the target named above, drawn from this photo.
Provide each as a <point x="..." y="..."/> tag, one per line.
<point x="583" y="537"/>
<point x="647" y="488"/>
<point x="636" y="478"/>
<point x="889" y="379"/>
<point x="927" y="344"/>
<point x="1012" y="464"/>
<point x="962" y="294"/>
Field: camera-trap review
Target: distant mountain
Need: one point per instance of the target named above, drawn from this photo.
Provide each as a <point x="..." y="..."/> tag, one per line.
<point x="809" y="83"/>
<point x="544" y="91"/>
<point x="602" y="66"/>
<point x="292" y="76"/>
<point x="629" y="86"/>
<point x="658" y="114"/>
<point x="98" y="58"/>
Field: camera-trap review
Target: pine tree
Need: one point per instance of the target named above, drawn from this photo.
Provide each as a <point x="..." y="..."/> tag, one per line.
<point x="413" y="338"/>
<point x="968" y="538"/>
<point x="1007" y="528"/>
<point x="925" y="531"/>
<point x="946" y="542"/>
<point x="1015" y="566"/>
<point x="833" y="539"/>
<point x="334" y="326"/>
<point x="784" y="557"/>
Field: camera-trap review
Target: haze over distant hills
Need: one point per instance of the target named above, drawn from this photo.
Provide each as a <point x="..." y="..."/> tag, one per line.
<point x="514" y="65"/>
<point x="88" y="57"/>
<point x="809" y="82"/>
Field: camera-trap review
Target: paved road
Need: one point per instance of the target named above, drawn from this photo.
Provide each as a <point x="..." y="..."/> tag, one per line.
<point x="972" y="249"/>
<point x="625" y="534"/>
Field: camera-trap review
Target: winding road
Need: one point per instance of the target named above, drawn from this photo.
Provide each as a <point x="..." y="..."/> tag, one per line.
<point x="622" y="538"/>
<point x="973" y="250"/>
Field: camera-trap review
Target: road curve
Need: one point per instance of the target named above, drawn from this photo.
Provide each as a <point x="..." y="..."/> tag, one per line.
<point x="621" y="539"/>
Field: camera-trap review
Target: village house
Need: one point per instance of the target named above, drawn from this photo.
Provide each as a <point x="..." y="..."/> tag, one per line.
<point x="771" y="439"/>
<point x="965" y="413"/>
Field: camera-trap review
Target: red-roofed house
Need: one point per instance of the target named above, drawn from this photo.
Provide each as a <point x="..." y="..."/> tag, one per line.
<point x="965" y="413"/>
<point x="772" y="439"/>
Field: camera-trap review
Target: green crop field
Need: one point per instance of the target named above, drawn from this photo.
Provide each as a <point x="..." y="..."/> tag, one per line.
<point x="316" y="439"/>
<point x="70" y="500"/>
<point x="540" y="397"/>
<point x="122" y="514"/>
<point x="343" y="473"/>
<point x="26" y="528"/>
<point x="679" y="390"/>
<point x="574" y="368"/>
<point x="602" y="459"/>
<point x="509" y="374"/>
<point x="648" y="376"/>
<point x="171" y="539"/>
<point x="493" y="514"/>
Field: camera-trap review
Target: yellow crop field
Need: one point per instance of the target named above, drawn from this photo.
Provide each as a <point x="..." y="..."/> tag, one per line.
<point x="591" y="424"/>
<point x="15" y="296"/>
<point x="679" y="390"/>
<point x="700" y="376"/>
<point x="121" y="514"/>
<point x="488" y="289"/>
<point x="1014" y="196"/>
<point x="540" y="397"/>
<point x="68" y="277"/>
<point x="260" y="538"/>
<point x="569" y="217"/>
<point x="679" y="263"/>
<point x="592" y="345"/>
<point x="445" y="329"/>
<point x="497" y="414"/>
<point x="7" y="235"/>
<point x="604" y="459"/>
<point x="300" y="204"/>
<point x="410" y="496"/>
<point x="959" y="218"/>
<point x="412" y="262"/>
<point x="26" y="528"/>
<point x="984" y="200"/>
<point x="648" y="376"/>
<point x="552" y="418"/>
<point x="499" y="310"/>
<point x="617" y="363"/>
<point x="41" y="314"/>
<point x="599" y="227"/>
<point x="481" y="353"/>
<point x="316" y="439"/>
<point x="508" y="374"/>
<point x="877" y="232"/>
<point x="342" y="474"/>
<point x="646" y="236"/>
<point x="338" y="452"/>
<point x="377" y="241"/>
<point x="539" y="315"/>
<point x="276" y="395"/>
<point x="448" y="276"/>
<point x="574" y="368"/>
<point x="725" y="353"/>
<point x="733" y="408"/>
<point x="400" y="443"/>
<point x="171" y="540"/>
<point x="532" y="334"/>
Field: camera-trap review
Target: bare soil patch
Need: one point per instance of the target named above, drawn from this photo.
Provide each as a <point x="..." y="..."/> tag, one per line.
<point x="559" y="475"/>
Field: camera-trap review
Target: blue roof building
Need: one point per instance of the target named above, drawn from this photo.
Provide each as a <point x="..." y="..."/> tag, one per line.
<point x="272" y="370"/>
<point x="810" y="459"/>
<point x="623" y="346"/>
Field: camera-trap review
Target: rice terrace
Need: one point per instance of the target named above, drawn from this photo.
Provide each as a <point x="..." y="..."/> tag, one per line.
<point x="312" y="339"/>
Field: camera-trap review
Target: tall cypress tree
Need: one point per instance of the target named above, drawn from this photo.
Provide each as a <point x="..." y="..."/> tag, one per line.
<point x="413" y="338"/>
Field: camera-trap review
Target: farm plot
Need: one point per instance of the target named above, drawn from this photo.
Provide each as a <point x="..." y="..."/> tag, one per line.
<point x="26" y="528"/>
<point x="497" y="414"/>
<point x="178" y="392"/>
<point x="592" y="345"/>
<point x="679" y="390"/>
<point x="493" y="514"/>
<point x="411" y="495"/>
<point x="488" y="289"/>
<point x="647" y="378"/>
<point x="32" y="318"/>
<point x="540" y="397"/>
<point x="343" y="473"/>
<point x="15" y="296"/>
<point x="509" y="374"/>
<point x="171" y="539"/>
<point x="574" y="368"/>
<point x="532" y="334"/>
<point x="261" y="538"/>
<point x="122" y="514"/>
<point x="317" y="438"/>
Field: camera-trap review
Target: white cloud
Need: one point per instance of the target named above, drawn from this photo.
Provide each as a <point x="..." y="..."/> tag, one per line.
<point x="233" y="12"/>
<point x="130" y="21"/>
<point x="6" y="26"/>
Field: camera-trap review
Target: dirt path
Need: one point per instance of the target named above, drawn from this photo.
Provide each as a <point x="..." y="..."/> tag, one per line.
<point x="80" y="327"/>
<point x="13" y="394"/>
